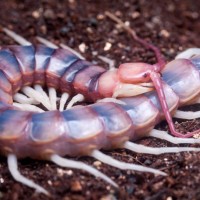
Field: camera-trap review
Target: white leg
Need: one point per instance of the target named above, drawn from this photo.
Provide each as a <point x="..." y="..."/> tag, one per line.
<point x="112" y="100"/>
<point x="21" y="98"/>
<point x="121" y="165"/>
<point x="165" y="136"/>
<point x="53" y="98"/>
<point x="111" y="63"/>
<point x="187" y="114"/>
<point x="64" y="162"/>
<point x="75" y="99"/>
<point x="37" y="96"/>
<point x="64" y="46"/>
<point x="156" y="151"/>
<point x="188" y="53"/>
<point x="46" y="42"/>
<point x="13" y="168"/>
<point x="63" y="101"/>
<point x="16" y="37"/>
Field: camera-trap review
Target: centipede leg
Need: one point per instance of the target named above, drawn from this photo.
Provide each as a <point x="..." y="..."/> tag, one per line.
<point x="165" y="136"/>
<point x="63" y="101"/>
<point x="64" y="46"/>
<point x="188" y="53"/>
<point x="16" y="37"/>
<point x="64" y="162"/>
<point x="13" y="168"/>
<point x="21" y="98"/>
<point x="39" y="89"/>
<point x="187" y="114"/>
<point x="121" y="165"/>
<point x="36" y="95"/>
<point x="77" y="98"/>
<point x="53" y="98"/>
<point x="156" y="151"/>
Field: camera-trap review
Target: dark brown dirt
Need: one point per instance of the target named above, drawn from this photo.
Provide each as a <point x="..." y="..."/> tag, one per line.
<point x="173" y="26"/>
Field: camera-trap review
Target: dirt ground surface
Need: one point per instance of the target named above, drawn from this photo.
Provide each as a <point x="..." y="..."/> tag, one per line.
<point x="173" y="26"/>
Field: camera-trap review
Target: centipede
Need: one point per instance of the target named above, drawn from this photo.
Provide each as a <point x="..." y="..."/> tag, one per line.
<point x="117" y="105"/>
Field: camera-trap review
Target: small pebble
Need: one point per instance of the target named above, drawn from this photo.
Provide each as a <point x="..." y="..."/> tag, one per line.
<point x="135" y="15"/>
<point x="100" y="16"/>
<point x="76" y="186"/>
<point x="49" y="14"/>
<point x="82" y="47"/>
<point x="169" y="198"/>
<point x="1" y="180"/>
<point x="36" y="14"/>
<point x="107" y="46"/>
<point x="164" y="33"/>
<point x="97" y="163"/>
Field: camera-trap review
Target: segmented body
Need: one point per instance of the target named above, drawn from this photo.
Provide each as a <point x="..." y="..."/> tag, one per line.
<point x="81" y="129"/>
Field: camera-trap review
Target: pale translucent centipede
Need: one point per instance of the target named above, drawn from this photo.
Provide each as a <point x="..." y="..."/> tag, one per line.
<point x="127" y="103"/>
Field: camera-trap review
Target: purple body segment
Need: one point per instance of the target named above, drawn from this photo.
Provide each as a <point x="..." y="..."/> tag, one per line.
<point x="77" y="119"/>
<point x="143" y="113"/>
<point x="58" y="64"/>
<point x="66" y="82"/>
<point x="84" y="78"/>
<point x="26" y="58"/>
<point x="182" y="76"/>
<point x="42" y="57"/>
<point x="84" y="130"/>
<point x="118" y="125"/>
<point x="10" y="66"/>
<point x="46" y="127"/>
<point x="5" y="85"/>
<point x="13" y="124"/>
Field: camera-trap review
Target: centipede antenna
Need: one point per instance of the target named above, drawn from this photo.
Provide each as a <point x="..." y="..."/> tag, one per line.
<point x="165" y="136"/>
<point x="21" y="98"/>
<point x="121" y="165"/>
<point x="188" y="53"/>
<point x="53" y="98"/>
<point x="36" y="95"/>
<point x="13" y="168"/>
<point x="64" y="46"/>
<point x="28" y="107"/>
<point x="63" y="101"/>
<point x="64" y="162"/>
<point x="110" y="62"/>
<point x="187" y="114"/>
<point x="46" y="42"/>
<point x="159" y="57"/>
<point x="75" y="99"/>
<point x="16" y="37"/>
<point x="138" y="148"/>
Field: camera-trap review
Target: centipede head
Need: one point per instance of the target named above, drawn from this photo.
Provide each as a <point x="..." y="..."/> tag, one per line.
<point x="134" y="79"/>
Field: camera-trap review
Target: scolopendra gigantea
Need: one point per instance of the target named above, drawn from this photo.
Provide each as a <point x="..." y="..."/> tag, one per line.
<point x="92" y="92"/>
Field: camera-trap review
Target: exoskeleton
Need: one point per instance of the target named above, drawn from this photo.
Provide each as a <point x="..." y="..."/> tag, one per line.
<point x="125" y="104"/>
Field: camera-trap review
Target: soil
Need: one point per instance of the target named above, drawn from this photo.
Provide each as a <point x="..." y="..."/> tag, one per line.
<point x="173" y="26"/>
